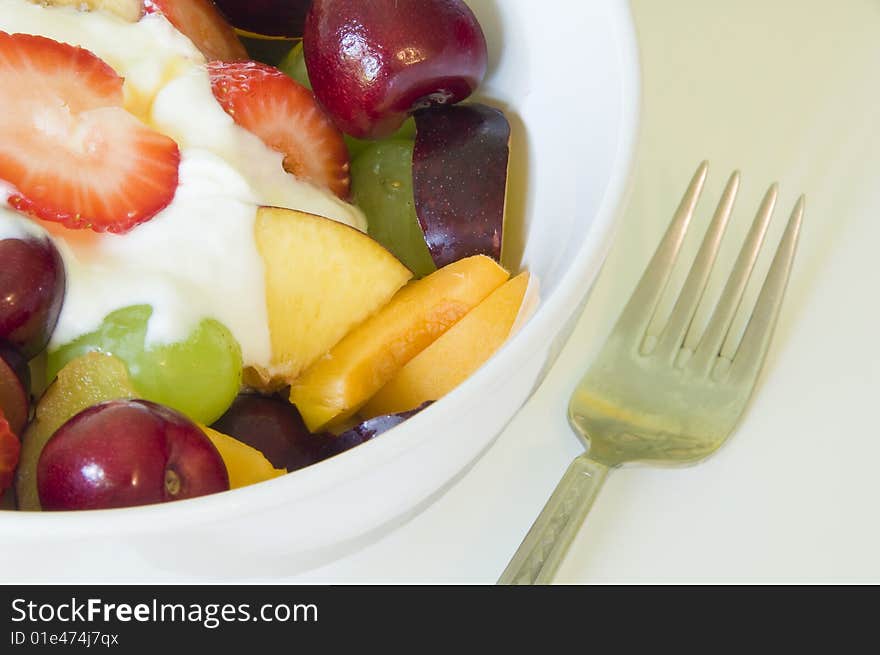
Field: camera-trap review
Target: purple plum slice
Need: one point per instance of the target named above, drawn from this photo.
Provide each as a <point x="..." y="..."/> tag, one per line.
<point x="271" y="425"/>
<point x="370" y="429"/>
<point x="460" y="165"/>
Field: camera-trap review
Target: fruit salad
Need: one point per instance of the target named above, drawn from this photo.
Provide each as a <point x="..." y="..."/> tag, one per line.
<point x="222" y="262"/>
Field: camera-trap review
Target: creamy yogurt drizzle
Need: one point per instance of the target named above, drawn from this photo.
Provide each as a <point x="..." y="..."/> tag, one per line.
<point x="198" y="257"/>
<point x="14" y="225"/>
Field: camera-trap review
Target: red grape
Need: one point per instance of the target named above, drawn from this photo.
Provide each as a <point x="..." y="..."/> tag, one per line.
<point x="32" y="283"/>
<point x="372" y="63"/>
<point x="124" y="453"/>
<point x="271" y="425"/>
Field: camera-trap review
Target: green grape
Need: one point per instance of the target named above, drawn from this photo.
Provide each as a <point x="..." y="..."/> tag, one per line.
<point x="407" y="132"/>
<point x="199" y="376"/>
<point x="294" y="65"/>
<point x="355" y="146"/>
<point x="382" y="187"/>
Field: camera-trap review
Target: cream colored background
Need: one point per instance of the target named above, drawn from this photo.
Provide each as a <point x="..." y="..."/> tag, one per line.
<point x="785" y="90"/>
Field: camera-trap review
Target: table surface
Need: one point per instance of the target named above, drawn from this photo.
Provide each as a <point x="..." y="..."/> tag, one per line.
<point x="785" y="91"/>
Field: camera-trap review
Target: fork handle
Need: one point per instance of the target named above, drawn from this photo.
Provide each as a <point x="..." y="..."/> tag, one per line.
<point x="545" y="545"/>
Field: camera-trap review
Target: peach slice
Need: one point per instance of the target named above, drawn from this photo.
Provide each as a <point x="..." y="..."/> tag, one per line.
<point x="452" y="358"/>
<point x="244" y="464"/>
<point x="322" y="279"/>
<point x="339" y="384"/>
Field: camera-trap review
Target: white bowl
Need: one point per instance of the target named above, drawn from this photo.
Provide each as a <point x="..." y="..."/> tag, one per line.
<point x="568" y="77"/>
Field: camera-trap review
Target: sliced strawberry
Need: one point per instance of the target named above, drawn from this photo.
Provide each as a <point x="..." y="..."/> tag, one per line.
<point x="74" y="155"/>
<point x="10" y="447"/>
<point x="45" y="70"/>
<point x="286" y="116"/>
<point x="202" y="22"/>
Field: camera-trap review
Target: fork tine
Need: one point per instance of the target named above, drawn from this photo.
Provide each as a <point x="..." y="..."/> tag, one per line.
<point x="643" y="303"/>
<point x="692" y="292"/>
<point x="752" y="350"/>
<point x="707" y="349"/>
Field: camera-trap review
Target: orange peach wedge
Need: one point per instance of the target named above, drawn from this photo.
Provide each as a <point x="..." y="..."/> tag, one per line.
<point x="322" y="279"/>
<point x="367" y="358"/>
<point x="245" y="465"/>
<point x="452" y="358"/>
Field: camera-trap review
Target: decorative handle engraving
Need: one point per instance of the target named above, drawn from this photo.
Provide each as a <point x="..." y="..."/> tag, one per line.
<point x="545" y="545"/>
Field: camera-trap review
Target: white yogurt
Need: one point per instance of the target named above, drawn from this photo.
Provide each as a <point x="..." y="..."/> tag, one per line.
<point x="198" y="257"/>
<point x="12" y="224"/>
<point x="211" y="128"/>
<point x="146" y="53"/>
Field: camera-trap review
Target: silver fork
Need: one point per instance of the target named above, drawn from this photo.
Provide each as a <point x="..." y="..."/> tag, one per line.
<point x="670" y="395"/>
